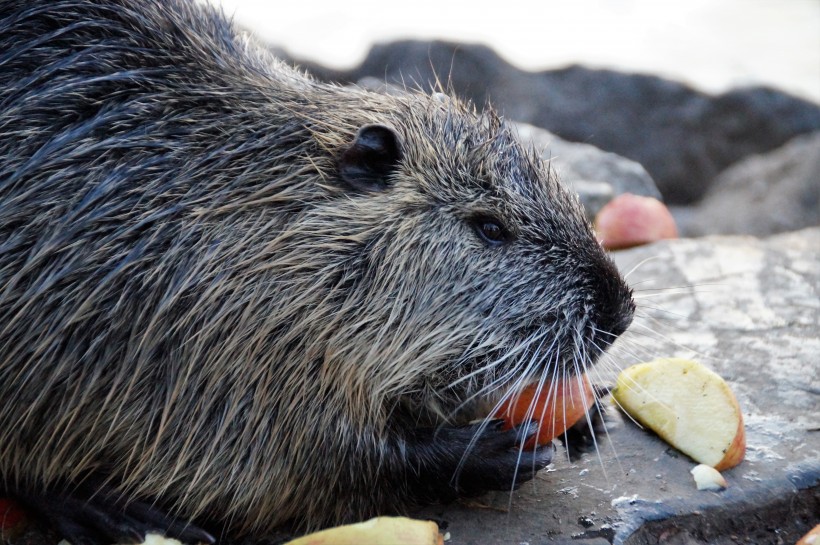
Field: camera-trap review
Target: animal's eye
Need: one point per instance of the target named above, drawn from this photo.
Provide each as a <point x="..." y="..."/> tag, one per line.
<point x="490" y="230"/>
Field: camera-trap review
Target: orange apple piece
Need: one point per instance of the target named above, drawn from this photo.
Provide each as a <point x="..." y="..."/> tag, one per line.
<point x="689" y="406"/>
<point x="630" y="220"/>
<point x="556" y="406"/>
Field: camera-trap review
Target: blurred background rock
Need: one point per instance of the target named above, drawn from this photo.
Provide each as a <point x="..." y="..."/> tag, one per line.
<point x="681" y="91"/>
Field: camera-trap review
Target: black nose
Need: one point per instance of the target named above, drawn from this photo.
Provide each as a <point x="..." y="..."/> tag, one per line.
<point x="614" y="307"/>
<point x="618" y="316"/>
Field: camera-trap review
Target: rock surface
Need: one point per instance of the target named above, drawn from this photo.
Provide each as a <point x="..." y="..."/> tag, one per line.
<point x="596" y="175"/>
<point x="683" y="137"/>
<point x="762" y="194"/>
<point x="750" y="310"/>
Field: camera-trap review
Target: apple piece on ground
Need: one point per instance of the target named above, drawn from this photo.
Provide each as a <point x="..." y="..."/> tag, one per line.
<point x="630" y="220"/>
<point x="708" y="478"/>
<point x="158" y="539"/>
<point x="555" y="405"/>
<point x="689" y="406"/>
<point x="376" y="531"/>
<point x="812" y="538"/>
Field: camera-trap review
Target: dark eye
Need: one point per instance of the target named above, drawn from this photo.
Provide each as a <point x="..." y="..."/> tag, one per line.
<point x="490" y="230"/>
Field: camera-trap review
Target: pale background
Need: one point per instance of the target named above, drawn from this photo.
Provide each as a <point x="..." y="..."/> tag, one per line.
<point x="710" y="44"/>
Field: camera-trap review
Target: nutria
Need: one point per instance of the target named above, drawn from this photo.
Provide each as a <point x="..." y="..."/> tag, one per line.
<point x="235" y="296"/>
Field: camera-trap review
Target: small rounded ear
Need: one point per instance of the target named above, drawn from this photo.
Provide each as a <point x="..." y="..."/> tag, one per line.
<point x="373" y="156"/>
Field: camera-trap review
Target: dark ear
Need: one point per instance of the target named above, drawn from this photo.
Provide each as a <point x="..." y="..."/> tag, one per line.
<point x="374" y="155"/>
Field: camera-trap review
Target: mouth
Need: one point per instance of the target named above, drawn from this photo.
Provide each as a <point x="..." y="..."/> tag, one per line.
<point x="540" y="355"/>
<point x="556" y="401"/>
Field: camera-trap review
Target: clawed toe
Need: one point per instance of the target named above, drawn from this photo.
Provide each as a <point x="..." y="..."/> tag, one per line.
<point x="584" y="436"/>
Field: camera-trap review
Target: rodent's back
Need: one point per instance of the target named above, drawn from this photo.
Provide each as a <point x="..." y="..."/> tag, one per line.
<point x="201" y="301"/>
<point x="150" y="169"/>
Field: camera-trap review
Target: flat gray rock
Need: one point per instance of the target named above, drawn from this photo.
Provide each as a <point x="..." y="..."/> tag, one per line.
<point x="745" y="307"/>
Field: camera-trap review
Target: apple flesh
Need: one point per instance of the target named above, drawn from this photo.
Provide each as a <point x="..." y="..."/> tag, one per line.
<point x="708" y="478"/>
<point x="812" y="538"/>
<point x="555" y="405"/>
<point x="687" y="405"/>
<point x="377" y="531"/>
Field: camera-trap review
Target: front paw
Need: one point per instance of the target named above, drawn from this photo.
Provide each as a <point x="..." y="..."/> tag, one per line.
<point x="470" y="460"/>
<point x="587" y="434"/>
<point x="494" y="460"/>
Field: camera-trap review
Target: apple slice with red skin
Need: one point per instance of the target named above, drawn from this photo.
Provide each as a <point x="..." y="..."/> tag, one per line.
<point x="555" y="405"/>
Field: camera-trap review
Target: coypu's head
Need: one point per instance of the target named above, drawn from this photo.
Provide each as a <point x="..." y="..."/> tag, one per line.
<point x="475" y="268"/>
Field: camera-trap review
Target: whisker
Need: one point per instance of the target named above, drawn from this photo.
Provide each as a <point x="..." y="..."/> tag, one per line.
<point x="640" y="264"/>
<point x="511" y="391"/>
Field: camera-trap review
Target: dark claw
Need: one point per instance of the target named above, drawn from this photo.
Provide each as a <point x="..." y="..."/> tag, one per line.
<point x="526" y="431"/>
<point x="78" y="520"/>
<point x="504" y="467"/>
<point x="533" y="462"/>
<point x="584" y="434"/>
<point x="495" y="437"/>
<point x="601" y="391"/>
<point x="77" y="534"/>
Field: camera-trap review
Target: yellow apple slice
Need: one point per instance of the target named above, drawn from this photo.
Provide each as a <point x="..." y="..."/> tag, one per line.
<point x="376" y="531"/>
<point x="688" y="406"/>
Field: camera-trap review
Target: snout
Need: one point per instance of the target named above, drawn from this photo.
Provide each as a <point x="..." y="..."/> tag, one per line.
<point x="614" y="306"/>
<point x="616" y="315"/>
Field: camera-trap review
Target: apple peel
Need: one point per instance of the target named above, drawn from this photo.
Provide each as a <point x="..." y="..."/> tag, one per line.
<point x="631" y="220"/>
<point x="12" y="519"/>
<point x="555" y="405"/>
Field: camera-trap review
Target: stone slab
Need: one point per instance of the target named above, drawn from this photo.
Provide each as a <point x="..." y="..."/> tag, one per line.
<point x="749" y="309"/>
